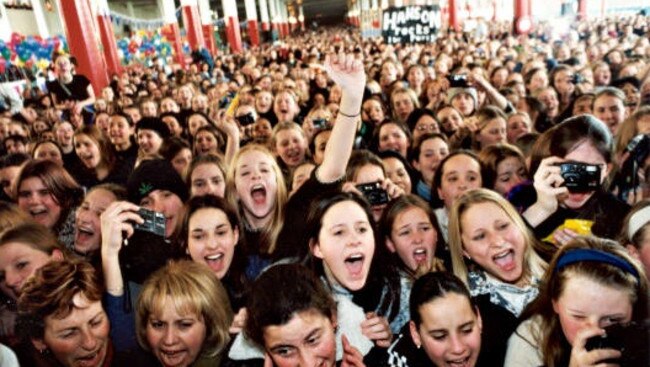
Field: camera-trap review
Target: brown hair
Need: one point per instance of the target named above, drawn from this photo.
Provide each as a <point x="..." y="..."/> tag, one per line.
<point x="550" y="339"/>
<point x="33" y="235"/>
<point x="491" y="156"/>
<point x="104" y="145"/>
<point x="63" y="187"/>
<point x="51" y="292"/>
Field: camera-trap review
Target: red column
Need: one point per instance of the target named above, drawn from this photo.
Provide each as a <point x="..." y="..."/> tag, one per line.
<point x="453" y="16"/>
<point x="192" y="23"/>
<point x="251" y="19"/>
<point x="207" y="29"/>
<point x="582" y="9"/>
<point x="232" y="25"/>
<point x="80" y="33"/>
<point x="523" y="21"/>
<point x="105" y="26"/>
<point x="172" y="32"/>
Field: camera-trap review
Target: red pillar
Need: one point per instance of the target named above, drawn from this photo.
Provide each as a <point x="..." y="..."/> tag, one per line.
<point x="582" y="9"/>
<point x="192" y="23"/>
<point x="108" y="42"/>
<point x="207" y="29"/>
<point x="177" y="42"/>
<point x="523" y="21"/>
<point x="453" y="16"/>
<point x="80" y="33"/>
<point x="253" y="32"/>
<point x="232" y="25"/>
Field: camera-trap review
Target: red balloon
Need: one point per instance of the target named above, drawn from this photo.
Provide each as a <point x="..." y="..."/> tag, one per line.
<point x="3" y="65"/>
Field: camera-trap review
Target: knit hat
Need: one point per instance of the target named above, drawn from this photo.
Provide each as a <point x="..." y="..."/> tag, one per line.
<point x="453" y="92"/>
<point x="155" y="174"/>
<point x="155" y="124"/>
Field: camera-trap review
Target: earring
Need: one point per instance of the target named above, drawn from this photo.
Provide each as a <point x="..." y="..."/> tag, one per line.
<point x="418" y="346"/>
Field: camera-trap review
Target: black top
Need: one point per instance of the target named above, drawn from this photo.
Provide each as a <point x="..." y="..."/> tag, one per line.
<point x="77" y="88"/>
<point x="292" y="239"/>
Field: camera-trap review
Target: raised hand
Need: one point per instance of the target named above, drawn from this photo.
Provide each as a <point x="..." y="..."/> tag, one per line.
<point x="347" y="71"/>
<point x="351" y="355"/>
<point x="376" y="328"/>
<point x="581" y="357"/>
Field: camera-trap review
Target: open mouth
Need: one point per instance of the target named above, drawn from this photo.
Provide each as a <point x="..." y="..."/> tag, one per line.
<point x="172" y="355"/>
<point x="354" y="264"/>
<point x="84" y="232"/>
<point x="38" y="212"/>
<point x="215" y="261"/>
<point x="505" y="260"/>
<point x="89" y="360"/>
<point x="258" y="194"/>
<point x="462" y="362"/>
<point x="420" y="255"/>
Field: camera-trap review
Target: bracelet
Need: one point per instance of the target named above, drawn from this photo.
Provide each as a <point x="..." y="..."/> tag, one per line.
<point x="350" y="116"/>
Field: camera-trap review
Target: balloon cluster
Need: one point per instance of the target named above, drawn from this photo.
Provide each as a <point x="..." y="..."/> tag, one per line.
<point x="29" y="51"/>
<point x="144" y="45"/>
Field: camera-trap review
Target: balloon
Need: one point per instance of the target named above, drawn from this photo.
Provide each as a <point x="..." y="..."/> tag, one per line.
<point x="3" y="65"/>
<point x="6" y="53"/>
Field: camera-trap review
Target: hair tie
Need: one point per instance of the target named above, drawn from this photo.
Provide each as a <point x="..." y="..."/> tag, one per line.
<point x="637" y="221"/>
<point x="582" y="255"/>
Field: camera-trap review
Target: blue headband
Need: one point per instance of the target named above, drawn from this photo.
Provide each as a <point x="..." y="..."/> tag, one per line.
<point x="581" y="255"/>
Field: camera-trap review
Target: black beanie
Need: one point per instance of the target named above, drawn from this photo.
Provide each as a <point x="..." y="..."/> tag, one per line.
<point x="155" y="124"/>
<point x="155" y="174"/>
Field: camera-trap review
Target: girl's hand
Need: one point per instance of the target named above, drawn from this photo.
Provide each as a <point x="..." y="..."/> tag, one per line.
<point x="116" y="221"/>
<point x="376" y="328"/>
<point x="581" y="357"/>
<point x="351" y="355"/>
<point x="392" y="189"/>
<point x="547" y="182"/>
<point x="347" y="71"/>
<point x="238" y="322"/>
<point x="563" y="236"/>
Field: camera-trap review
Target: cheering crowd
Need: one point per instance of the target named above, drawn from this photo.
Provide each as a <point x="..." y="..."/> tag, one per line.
<point x="331" y="200"/>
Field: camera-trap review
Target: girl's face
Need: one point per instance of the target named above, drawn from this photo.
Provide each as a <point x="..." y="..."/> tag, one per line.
<point x="397" y="173"/>
<point x="263" y="102"/>
<point x="149" y="141"/>
<point x="35" y="199"/>
<point x="64" y="134"/>
<point x="391" y="137"/>
<point x="425" y="125"/>
<point x="517" y="126"/>
<point x="368" y="174"/>
<point x="346" y="245"/>
<point x="212" y="239"/>
<point x="50" y="152"/>
<point x="450" y="119"/>
<point x="206" y="143"/>
<point x="175" y="338"/>
<point x="413" y="238"/>
<point x="308" y="339"/>
<point x="88" y="235"/>
<point x="290" y="145"/>
<point x="88" y="151"/>
<point x="494" y="241"/>
<point x="182" y="160"/>
<point x="460" y="173"/>
<point x="207" y="179"/>
<point x="320" y="143"/>
<point x="464" y="103"/>
<point x="373" y="112"/>
<point x="510" y="173"/>
<point x="585" y="303"/>
<point x="81" y="338"/>
<point x="432" y="152"/>
<point x="450" y="332"/>
<point x="119" y="131"/>
<point x="585" y="152"/>
<point x="257" y="186"/>
<point x="403" y="106"/>
<point x="494" y="132"/>
<point x="18" y="262"/>
<point x="194" y="123"/>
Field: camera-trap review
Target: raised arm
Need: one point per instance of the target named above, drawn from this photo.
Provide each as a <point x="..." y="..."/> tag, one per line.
<point x="346" y="71"/>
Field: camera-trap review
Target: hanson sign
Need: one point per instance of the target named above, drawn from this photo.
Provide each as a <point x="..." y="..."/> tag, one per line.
<point x="411" y="24"/>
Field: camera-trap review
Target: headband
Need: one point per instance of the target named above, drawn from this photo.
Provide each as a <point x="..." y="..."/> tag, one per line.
<point x="582" y="255"/>
<point x="638" y="220"/>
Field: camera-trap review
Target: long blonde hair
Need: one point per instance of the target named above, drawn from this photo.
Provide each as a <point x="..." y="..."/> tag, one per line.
<point x="534" y="266"/>
<point x="270" y="231"/>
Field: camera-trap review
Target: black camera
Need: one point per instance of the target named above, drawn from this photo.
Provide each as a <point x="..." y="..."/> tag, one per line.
<point x="577" y="78"/>
<point x="154" y="222"/>
<point x="374" y="193"/>
<point x="631" y="339"/>
<point x="580" y="177"/>
<point x="247" y="119"/>
<point x="458" y="81"/>
<point x="319" y="123"/>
